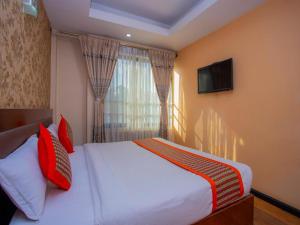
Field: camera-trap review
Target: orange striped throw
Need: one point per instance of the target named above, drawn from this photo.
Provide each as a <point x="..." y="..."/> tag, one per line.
<point x="225" y="180"/>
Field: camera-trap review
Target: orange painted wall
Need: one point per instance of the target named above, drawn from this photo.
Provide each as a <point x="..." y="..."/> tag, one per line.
<point x="258" y="123"/>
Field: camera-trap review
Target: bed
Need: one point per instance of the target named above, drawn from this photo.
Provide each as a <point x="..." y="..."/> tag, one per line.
<point x="124" y="185"/>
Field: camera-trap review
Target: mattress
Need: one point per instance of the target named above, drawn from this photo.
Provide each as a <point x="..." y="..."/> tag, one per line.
<point x="133" y="187"/>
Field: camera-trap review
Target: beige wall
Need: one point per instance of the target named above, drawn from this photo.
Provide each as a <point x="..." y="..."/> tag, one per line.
<point x="24" y="57"/>
<point x="71" y="95"/>
<point x="258" y="123"/>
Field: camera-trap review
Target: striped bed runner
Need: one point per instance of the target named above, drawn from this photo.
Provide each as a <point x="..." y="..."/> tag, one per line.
<point x="225" y="180"/>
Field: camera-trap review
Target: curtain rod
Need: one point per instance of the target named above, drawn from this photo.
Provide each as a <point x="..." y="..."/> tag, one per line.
<point x="123" y="43"/>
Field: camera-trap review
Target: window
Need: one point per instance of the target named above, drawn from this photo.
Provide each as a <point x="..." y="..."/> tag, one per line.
<point x="132" y="107"/>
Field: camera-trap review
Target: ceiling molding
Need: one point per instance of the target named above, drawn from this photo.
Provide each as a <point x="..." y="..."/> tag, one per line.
<point x="109" y="14"/>
<point x="192" y="14"/>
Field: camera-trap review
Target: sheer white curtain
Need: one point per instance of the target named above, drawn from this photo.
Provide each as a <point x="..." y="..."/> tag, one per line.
<point x="132" y="106"/>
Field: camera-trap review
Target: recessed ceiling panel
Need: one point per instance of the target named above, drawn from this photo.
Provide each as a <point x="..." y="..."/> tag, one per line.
<point x="163" y="11"/>
<point x="147" y="20"/>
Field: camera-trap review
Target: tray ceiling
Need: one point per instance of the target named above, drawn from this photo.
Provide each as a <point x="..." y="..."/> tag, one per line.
<point x="166" y="12"/>
<point x="169" y="24"/>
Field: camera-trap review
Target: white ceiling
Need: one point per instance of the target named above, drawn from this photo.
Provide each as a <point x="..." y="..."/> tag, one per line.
<point x="169" y="24"/>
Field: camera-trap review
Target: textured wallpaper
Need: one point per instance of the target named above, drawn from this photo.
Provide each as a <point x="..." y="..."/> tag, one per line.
<point x="25" y="44"/>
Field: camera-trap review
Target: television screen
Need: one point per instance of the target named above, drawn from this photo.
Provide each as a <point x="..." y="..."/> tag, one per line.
<point x="215" y="77"/>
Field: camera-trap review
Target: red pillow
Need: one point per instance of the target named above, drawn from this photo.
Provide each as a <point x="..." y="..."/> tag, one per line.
<point x="54" y="160"/>
<point x="65" y="135"/>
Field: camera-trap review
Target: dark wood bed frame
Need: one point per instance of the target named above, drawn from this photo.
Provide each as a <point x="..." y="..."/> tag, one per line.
<point x="16" y="125"/>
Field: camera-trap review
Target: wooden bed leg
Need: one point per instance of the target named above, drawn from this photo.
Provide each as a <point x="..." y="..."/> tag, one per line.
<point x="239" y="213"/>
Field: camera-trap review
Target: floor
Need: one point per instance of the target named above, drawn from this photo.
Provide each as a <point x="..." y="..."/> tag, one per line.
<point x="267" y="214"/>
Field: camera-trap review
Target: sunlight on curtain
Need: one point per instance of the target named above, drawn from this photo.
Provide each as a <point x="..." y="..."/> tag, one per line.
<point x="132" y="107"/>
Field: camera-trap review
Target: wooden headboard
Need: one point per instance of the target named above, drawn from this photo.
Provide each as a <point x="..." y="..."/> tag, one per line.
<point x="17" y="125"/>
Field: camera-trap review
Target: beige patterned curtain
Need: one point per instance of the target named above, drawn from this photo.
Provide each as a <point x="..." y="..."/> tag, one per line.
<point x="162" y="63"/>
<point x="101" y="57"/>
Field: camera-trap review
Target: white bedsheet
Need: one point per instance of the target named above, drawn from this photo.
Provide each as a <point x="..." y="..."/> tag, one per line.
<point x="129" y="186"/>
<point x="132" y="186"/>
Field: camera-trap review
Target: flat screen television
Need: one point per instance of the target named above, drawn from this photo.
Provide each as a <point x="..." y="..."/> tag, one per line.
<point x="215" y="77"/>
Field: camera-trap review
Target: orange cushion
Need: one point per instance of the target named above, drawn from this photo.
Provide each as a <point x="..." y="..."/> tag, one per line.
<point x="54" y="160"/>
<point x="65" y="135"/>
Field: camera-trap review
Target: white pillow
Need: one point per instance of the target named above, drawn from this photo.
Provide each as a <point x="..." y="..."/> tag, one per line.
<point x="22" y="180"/>
<point x="53" y="130"/>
